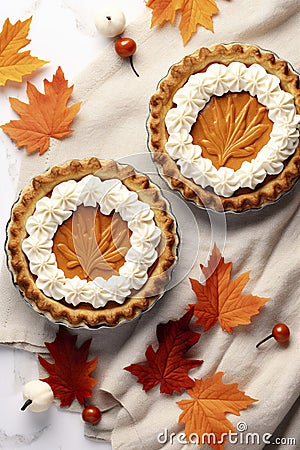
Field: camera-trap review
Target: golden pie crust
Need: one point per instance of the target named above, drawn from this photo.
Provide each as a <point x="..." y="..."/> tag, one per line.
<point x="162" y="101"/>
<point x="84" y="314"/>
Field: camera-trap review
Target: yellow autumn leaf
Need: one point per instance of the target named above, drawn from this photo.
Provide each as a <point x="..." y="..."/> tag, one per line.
<point x="194" y="13"/>
<point x="13" y="63"/>
<point x="164" y="11"/>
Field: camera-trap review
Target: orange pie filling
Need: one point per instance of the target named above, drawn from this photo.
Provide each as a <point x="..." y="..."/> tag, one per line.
<point x="90" y="244"/>
<point x="232" y="129"/>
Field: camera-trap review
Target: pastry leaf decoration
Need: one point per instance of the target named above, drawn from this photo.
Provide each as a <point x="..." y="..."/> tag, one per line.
<point x="193" y="13"/>
<point x="46" y="115"/>
<point x="69" y="375"/>
<point x="204" y="414"/>
<point x="221" y="299"/>
<point x="87" y="244"/>
<point x="167" y="365"/>
<point x="14" y="65"/>
<point x="229" y="133"/>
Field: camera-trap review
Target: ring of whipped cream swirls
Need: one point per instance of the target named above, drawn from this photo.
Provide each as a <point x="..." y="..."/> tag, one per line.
<point x="218" y="80"/>
<point x="52" y="211"/>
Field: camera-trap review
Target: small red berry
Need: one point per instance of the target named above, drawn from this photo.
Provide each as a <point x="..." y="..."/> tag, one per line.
<point x="91" y="414"/>
<point x="280" y="332"/>
<point x="126" y="48"/>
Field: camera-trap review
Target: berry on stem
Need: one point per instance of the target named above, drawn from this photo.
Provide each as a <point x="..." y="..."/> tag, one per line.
<point x="126" y="48"/>
<point x="280" y="332"/>
<point x="91" y="414"/>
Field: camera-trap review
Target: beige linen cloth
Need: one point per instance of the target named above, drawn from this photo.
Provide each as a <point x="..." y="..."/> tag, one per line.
<point x="111" y="124"/>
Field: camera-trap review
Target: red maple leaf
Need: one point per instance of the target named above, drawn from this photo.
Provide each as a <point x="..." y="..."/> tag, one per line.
<point x="70" y="373"/>
<point x="167" y="365"/>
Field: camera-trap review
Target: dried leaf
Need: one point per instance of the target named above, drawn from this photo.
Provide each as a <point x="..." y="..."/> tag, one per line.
<point x="221" y="298"/>
<point x="164" y="11"/>
<point x="167" y="365"/>
<point x="46" y="115"/>
<point x="204" y="415"/>
<point x="69" y="376"/>
<point x="193" y="13"/>
<point x="13" y="63"/>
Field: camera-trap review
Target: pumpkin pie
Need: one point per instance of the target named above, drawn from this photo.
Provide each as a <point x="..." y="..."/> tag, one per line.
<point x="91" y="243"/>
<point x="224" y="127"/>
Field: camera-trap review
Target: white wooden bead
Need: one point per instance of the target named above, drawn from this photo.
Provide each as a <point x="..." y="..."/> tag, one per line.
<point x="40" y="393"/>
<point x="110" y="21"/>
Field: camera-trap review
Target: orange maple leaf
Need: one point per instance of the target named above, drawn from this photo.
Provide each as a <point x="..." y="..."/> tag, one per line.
<point x="69" y="376"/>
<point x="196" y="12"/>
<point x="193" y="13"/>
<point x="164" y="11"/>
<point x="13" y="63"/>
<point x="204" y="415"/>
<point x="46" y="115"/>
<point x="221" y="298"/>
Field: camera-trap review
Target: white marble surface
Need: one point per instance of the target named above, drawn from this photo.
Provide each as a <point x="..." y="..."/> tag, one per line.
<point x="62" y="32"/>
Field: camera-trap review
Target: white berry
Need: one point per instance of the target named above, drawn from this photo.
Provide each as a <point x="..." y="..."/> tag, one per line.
<point x="40" y="394"/>
<point x="110" y="21"/>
